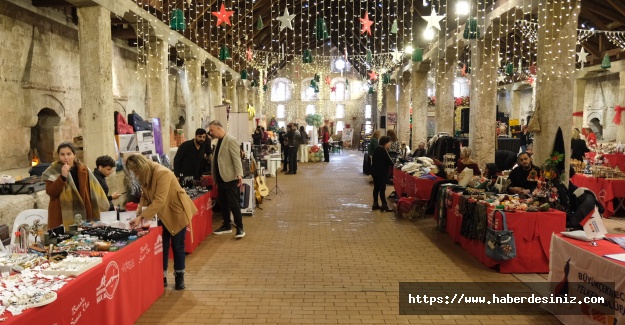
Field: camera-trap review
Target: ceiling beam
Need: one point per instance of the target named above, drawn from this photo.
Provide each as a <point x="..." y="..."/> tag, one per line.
<point x="611" y="15"/>
<point x="618" y="5"/>
<point x="592" y="49"/>
<point x="593" y="18"/>
<point x="51" y="3"/>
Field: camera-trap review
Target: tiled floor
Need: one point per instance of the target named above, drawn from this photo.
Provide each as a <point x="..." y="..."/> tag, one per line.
<point x="319" y="255"/>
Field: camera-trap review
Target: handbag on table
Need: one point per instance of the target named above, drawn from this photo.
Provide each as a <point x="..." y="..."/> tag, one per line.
<point x="500" y="244"/>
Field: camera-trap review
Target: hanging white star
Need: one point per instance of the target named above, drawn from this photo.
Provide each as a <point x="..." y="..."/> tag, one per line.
<point x="433" y="20"/>
<point x="499" y="58"/>
<point x="285" y="20"/>
<point x="501" y="78"/>
<point x="397" y="56"/>
<point x="581" y="57"/>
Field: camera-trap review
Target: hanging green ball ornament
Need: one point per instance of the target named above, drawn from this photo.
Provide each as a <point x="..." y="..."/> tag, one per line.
<point x="605" y="63"/>
<point x="321" y="31"/>
<point x="177" y="21"/>
<point x="509" y="69"/>
<point x="224" y="53"/>
<point x="259" y="23"/>
<point x="317" y="77"/>
<point x="307" y="57"/>
<point x="394" y="27"/>
<point x="371" y="90"/>
<point x="369" y="57"/>
<point x="417" y="55"/>
<point x="470" y="29"/>
<point x="265" y="88"/>
<point x="313" y="83"/>
<point x="243" y="74"/>
<point x="386" y="79"/>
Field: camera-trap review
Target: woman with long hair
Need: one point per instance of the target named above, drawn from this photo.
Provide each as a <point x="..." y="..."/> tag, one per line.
<point x="326" y="144"/>
<point x="465" y="161"/>
<point x="162" y="194"/>
<point x="381" y="162"/>
<point x="73" y="190"/>
<point x="395" y="146"/>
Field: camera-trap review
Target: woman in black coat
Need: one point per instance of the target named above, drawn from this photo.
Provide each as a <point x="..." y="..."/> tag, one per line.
<point x="381" y="162"/>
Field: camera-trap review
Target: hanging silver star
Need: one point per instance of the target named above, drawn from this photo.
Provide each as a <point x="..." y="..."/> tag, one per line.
<point x="581" y="57"/>
<point x="285" y="20"/>
<point x="397" y="56"/>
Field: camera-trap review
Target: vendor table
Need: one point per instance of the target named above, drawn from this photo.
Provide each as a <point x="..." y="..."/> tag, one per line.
<point x="532" y="234"/>
<point x="202" y="222"/>
<point x="606" y="190"/>
<point x="577" y="261"/>
<point x="617" y="159"/>
<point x="420" y="188"/>
<point x="117" y="291"/>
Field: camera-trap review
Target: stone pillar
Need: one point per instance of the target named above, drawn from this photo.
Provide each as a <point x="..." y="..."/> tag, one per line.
<point x="445" y="96"/>
<point x="419" y="103"/>
<point x="216" y="89"/>
<point x="578" y="103"/>
<point x="157" y="100"/>
<point x="483" y="111"/>
<point x="96" y="84"/>
<point x="194" y="105"/>
<point x="403" y="109"/>
<point x="620" y="132"/>
<point x="515" y="101"/>
<point x="555" y="81"/>
<point x="231" y="94"/>
<point x="242" y="101"/>
<point x="390" y="104"/>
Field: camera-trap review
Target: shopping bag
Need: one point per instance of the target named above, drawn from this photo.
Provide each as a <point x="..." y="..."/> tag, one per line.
<point x="500" y="244"/>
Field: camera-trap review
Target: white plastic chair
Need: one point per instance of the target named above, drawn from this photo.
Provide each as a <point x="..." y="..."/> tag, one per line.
<point x="28" y="217"/>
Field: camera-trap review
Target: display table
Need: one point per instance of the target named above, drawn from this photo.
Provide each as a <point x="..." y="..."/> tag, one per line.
<point x="606" y="190"/>
<point x="117" y="291"/>
<point x="613" y="160"/>
<point x="202" y="222"/>
<point x="577" y="261"/>
<point x="420" y="188"/>
<point x="532" y="234"/>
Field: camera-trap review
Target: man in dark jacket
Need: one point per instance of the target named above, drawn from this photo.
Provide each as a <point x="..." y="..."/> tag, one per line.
<point x="523" y="179"/>
<point x="293" y="142"/>
<point x="105" y="166"/>
<point x="192" y="155"/>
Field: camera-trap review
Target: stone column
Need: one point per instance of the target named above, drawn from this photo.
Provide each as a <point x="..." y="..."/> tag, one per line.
<point x="620" y="133"/>
<point x="96" y="84"/>
<point x="231" y="94"/>
<point x="555" y="81"/>
<point x="157" y="100"/>
<point x="403" y="109"/>
<point x="445" y="96"/>
<point x="578" y="102"/>
<point x="419" y="103"/>
<point x="515" y="101"/>
<point x="216" y="88"/>
<point x="483" y="111"/>
<point x="194" y="105"/>
<point x="390" y="104"/>
<point x="242" y="101"/>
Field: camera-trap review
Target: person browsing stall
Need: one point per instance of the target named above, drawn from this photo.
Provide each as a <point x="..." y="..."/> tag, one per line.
<point x="73" y="190"/>
<point x="293" y="142"/>
<point x="105" y="167"/>
<point x="523" y="178"/>
<point x="228" y="174"/>
<point x="381" y="162"/>
<point x="162" y="194"/>
<point x="191" y="156"/>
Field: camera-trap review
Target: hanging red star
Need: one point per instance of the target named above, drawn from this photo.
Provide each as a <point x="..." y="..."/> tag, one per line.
<point x="333" y="89"/>
<point x="530" y="80"/>
<point x="249" y="53"/>
<point x="373" y="75"/>
<point x="223" y="15"/>
<point x="328" y="80"/>
<point x="366" y="24"/>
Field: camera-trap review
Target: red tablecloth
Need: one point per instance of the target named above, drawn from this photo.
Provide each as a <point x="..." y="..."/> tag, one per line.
<point x="614" y="160"/>
<point x="117" y="291"/>
<point x="605" y="189"/>
<point x="532" y="234"/>
<point x="421" y="188"/>
<point x="202" y="223"/>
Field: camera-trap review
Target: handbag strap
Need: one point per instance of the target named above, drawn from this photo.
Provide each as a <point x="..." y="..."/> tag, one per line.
<point x="503" y="219"/>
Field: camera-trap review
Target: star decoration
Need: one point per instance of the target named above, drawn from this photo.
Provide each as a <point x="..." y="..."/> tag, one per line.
<point x="333" y="89"/>
<point x="285" y="20"/>
<point x="499" y="58"/>
<point x="397" y="56"/>
<point x="433" y="20"/>
<point x="223" y="15"/>
<point x="328" y="80"/>
<point x="249" y="54"/>
<point x="373" y="75"/>
<point x="501" y="78"/>
<point x="366" y="24"/>
<point x="581" y="56"/>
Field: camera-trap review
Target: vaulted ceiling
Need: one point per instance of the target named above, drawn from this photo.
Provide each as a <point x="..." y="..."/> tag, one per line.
<point x="343" y="21"/>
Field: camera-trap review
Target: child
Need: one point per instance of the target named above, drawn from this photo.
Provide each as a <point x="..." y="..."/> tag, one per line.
<point x="105" y="165"/>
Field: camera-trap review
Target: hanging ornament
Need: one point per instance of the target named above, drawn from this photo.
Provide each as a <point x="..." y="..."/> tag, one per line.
<point x="369" y="57"/>
<point x="321" y="31"/>
<point x="259" y="23"/>
<point x="417" y="55"/>
<point x="265" y="87"/>
<point x="285" y="20"/>
<point x="177" y="21"/>
<point x="373" y="75"/>
<point x="371" y="90"/>
<point x="333" y="89"/>
<point x="243" y="74"/>
<point x="317" y="77"/>
<point x="328" y="80"/>
<point x="434" y="21"/>
<point x="397" y="56"/>
<point x="366" y="24"/>
<point x="501" y="78"/>
<point x="386" y="79"/>
<point x="605" y="63"/>
<point x="313" y="83"/>
<point x="470" y="29"/>
<point x="533" y="68"/>
<point x="394" y="27"/>
<point x="249" y="54"/>
<point x="307" y="57"/>
<point x="509" y="69"/>
<point x="223" y="15"/>
<point x="224" y="53"/>
<point x="520" y="67"/>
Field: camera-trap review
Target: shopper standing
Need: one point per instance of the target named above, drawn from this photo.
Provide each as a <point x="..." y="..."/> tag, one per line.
<point x="293" y="139"/>
<point x="525" y="138"/>
<point x="326" y="144"/>
<point x="303" y="147"/>
<point x="191" y="156"/>
<point x="228" y="174"/>
<point x="379" y="170"/>
<point x="163" y="195"/>
<point x="104" y="167"/>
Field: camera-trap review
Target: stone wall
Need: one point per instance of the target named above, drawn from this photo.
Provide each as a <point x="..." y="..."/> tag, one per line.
<point x="600" y="98"/>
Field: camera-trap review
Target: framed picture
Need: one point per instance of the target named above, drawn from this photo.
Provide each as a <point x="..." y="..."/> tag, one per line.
<point x="391" y="118"/>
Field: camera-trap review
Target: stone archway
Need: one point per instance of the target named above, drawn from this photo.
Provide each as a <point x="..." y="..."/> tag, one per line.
<point x="43" y="134"/>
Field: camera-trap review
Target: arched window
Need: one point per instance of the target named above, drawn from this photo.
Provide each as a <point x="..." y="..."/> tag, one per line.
<point x="281" y="90"/>
<point x="341" y="91"/>
<point x="308" y="92"/>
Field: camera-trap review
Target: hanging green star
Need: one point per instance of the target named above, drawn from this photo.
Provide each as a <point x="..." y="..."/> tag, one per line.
<point x="321" y="31"/>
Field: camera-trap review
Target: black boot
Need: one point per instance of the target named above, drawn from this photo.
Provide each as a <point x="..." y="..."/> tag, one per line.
<point x="165" y="281"/>
<point x="375" y="206"/>
<point x="385" y="208"/>
<point x="179" y="280"/>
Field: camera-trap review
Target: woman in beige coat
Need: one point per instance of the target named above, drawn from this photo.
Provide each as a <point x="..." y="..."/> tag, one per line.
<point x="163" y="195"/>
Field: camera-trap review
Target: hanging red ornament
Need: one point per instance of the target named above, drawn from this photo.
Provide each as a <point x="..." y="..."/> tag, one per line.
<point x="328" y="80"/>
<point x="333" y="89"/>
<point x="533" y="68"/>
<point x="366" y="24"/>
<point x="373" y="75"/>
<point x="223" y="15"/>
<point x="249" y="54"/>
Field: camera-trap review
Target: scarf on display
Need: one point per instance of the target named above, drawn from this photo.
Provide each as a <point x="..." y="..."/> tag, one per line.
<point x="71" y="201"/>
